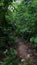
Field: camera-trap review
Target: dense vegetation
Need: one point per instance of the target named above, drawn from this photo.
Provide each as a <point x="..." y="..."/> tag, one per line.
<point x="17" y="19"/>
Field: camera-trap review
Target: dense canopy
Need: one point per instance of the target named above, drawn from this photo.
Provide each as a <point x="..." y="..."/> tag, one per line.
<point x="18" y="19"/>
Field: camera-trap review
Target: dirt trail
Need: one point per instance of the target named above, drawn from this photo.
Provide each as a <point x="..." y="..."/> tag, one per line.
<point x="24" y="51"/>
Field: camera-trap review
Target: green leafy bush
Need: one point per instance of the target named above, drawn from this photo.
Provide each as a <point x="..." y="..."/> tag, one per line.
<point x="16" y="20"/>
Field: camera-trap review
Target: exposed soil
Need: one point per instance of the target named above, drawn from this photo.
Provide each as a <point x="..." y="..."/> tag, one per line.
<point x="24" y="51"/>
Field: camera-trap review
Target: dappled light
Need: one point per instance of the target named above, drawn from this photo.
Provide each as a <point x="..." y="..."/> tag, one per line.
<point x="18" y="32"/>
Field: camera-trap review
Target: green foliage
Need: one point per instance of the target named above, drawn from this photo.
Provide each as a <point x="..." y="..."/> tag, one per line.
<point x="11" y="58"/>
<point x="33" y="39"/>
<point x="26" y="19"/>
<point x="16" y="20"/>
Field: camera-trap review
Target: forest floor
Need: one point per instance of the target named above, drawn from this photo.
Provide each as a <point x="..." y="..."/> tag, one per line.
<point x="24" y="52"/>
